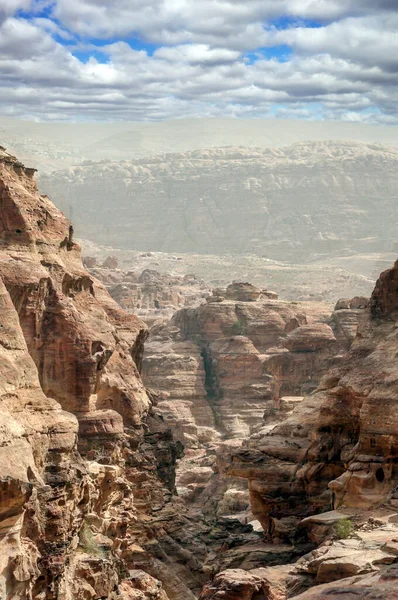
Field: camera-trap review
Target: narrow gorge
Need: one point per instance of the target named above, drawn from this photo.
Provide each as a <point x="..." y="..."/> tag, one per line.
<point x="237" y="447"/>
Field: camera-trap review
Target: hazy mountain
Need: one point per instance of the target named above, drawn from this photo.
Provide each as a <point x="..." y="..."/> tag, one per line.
<point x="297" y="203"/>
<point x="55" y="145"/>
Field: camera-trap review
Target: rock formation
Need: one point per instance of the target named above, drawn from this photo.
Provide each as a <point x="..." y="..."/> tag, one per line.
<point x="336" y="449"/>
<point x="87" y="467"/>
<point x="151" y="295"/>
<point x="339" y="445"/>
<point x="217" y="370"/>
<point x="222" y="364"/>
<point x="88" y="461"/>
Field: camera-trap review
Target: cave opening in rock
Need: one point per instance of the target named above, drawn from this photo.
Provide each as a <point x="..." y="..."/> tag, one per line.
<point x="380" y="475"/>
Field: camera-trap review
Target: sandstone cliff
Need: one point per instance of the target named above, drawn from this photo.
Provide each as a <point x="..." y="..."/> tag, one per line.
<point x="339" y="446"/>
<point x="336" y="450"/>
<point x="222" y="364"/>
<point x="87" y="462"/>
<point x="151" y="295"/>
<point x="219" y="369"/>
<point x="86" y="467"/>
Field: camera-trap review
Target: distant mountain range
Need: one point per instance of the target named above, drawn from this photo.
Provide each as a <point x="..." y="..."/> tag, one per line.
<point x="300" y="203"/>
<point x="49" y="146"/>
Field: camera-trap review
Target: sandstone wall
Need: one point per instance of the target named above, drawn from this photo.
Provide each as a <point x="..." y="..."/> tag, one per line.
<point x="339" y="446"/>
<point x="87" y="466"/>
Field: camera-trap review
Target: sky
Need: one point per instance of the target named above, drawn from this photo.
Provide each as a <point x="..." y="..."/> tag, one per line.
<point x="148" y="60"/>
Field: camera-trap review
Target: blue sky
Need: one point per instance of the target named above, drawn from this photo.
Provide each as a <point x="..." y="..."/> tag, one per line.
<point x="99" y="60"/>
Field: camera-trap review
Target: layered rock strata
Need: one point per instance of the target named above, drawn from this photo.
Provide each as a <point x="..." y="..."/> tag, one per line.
<point x="338" y="447"/>
<point x="237" y="200"/>
<point x="87" y="466"/>
<point x="220" y="365"/>
<point x="219" y="369"/>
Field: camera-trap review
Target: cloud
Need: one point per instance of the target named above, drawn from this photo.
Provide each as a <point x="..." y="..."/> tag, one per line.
<point x="232" y="23"/>
<point x="9" y="7"/>
<point x="368" y="41"/>
<point x="78" y="59"/>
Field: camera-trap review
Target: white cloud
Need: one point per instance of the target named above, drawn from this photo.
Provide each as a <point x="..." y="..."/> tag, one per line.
<point x="197" y="54"/>
<point x="345" y="68"/>
<point x="9" y="7"/>
<point x="229" y="23"/>
<point x="367" y="40"/>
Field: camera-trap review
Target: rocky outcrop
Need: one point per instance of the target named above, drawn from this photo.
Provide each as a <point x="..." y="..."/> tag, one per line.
<point x="87" y="469"/>
<point x="338" y="447"/>
<point x="173" y="369"/>
<point x="356" y="557"/>
<point x="241" y="358"/>
<point x="88" y="462"/>
<point x="219" y="369"/>
<point x="242" y="292"/>
<point x="37" y="447"/>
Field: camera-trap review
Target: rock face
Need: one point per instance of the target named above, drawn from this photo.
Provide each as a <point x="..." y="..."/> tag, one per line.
<point x="174" y="371"/>
<point x="217" y="370"/>
<point x="239" y="200"/>
<point x="336" y="449"/>
<point x="239" y="358"/>
<point x="37" y="438"/>
<point x="339" y="446"/>
<point x="86" y="465"/>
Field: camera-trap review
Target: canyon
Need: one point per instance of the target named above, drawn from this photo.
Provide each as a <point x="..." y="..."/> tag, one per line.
<point x="242" y="448"/>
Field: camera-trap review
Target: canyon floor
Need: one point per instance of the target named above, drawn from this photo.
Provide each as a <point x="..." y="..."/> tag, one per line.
<point x="321" y="280"/>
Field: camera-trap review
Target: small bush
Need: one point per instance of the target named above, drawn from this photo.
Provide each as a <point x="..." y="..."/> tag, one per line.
<point x="343" y="529"/>
<point x="88" y="542"/>
<point x="238" y="328"/>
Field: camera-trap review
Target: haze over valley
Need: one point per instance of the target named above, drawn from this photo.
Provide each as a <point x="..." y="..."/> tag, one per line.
<point x="281" y="197"/>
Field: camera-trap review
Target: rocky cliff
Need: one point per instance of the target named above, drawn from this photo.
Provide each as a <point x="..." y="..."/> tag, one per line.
<point x="337" y="451"/>
<point x="87" y="467"/>
<point x="151" y="295"/>
<point x="220" y="370"/>
<point x="88" y="463"/>
<point x="220" y="365"/>
<point x="339" y="446"/>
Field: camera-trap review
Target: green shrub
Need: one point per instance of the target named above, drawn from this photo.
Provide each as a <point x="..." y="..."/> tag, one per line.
<point x="88" y="542"/>
<point x="343" y="529"/>
<point x="238" y="328"/>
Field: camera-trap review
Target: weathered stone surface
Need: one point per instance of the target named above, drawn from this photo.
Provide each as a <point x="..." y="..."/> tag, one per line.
<point x="242" y="292"/>
<point x="151" y="295"/>
<point x="72" y="525"/>
<point x="270" y="583"/>
<point x="310" y="338"/>
<point x="217" y="370"/>
<point x="90" y="513"/>
<point x="173" y="369"/>
<point x="244" y="364"/>
<point x="35" y="436"/>
<point x="368" y="587"/>
<point x="338" y="447"/>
